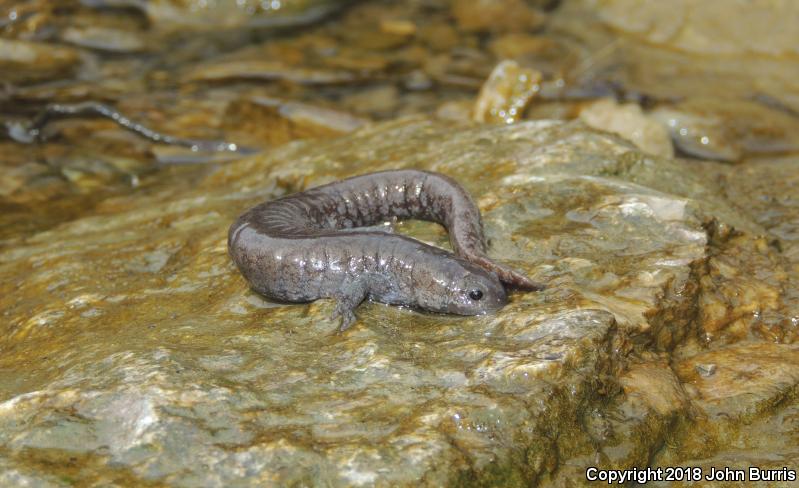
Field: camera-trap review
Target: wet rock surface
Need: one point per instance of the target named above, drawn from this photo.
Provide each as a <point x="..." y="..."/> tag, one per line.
<point x="154" y="362"/>
<point x="133" y="354"/>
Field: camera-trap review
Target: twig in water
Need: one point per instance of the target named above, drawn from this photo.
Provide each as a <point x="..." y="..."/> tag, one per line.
<point x="32" y="132"/>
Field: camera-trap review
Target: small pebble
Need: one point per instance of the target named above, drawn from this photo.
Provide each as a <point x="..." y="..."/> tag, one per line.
<point x="398" y="27"/>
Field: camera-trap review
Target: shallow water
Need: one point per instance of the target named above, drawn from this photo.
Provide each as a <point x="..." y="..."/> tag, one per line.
<point x="131" y="351"/>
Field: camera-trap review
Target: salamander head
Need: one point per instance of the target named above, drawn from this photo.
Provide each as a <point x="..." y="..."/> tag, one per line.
<point x="460" y="287"/>
<point x="476" y="292"/>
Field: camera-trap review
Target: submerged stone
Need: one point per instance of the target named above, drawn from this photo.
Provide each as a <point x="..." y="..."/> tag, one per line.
<point x="728" y="130"/>
<point x="629" y="121"/>
<point x="227" y="14"/>
<point x="759" y="26"/>
<point x="26" y="61"/>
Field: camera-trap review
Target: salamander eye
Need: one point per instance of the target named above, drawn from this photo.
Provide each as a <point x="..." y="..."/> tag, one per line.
<point x="475" y="294"/>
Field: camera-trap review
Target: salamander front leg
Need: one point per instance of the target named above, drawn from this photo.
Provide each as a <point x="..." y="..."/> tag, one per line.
<point x="347" y="300"/>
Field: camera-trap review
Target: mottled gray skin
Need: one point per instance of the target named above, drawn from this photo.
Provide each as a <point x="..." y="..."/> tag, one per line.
<point x="297" y="248"/>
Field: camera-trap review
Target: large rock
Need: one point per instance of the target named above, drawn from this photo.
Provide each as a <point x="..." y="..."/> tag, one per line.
<point x="133" y="351"/>
<point x="757" y="26"/>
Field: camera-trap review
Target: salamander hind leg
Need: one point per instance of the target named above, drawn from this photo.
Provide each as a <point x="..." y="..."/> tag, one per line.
<point x="517" y="279"/>
<point x="347" y="300"/>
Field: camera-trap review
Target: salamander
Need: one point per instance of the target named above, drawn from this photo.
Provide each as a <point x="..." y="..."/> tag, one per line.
<point x="307" y="246"/>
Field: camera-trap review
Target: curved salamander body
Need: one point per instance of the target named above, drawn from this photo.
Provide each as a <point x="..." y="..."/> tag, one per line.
<point x="297" y="248"/>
